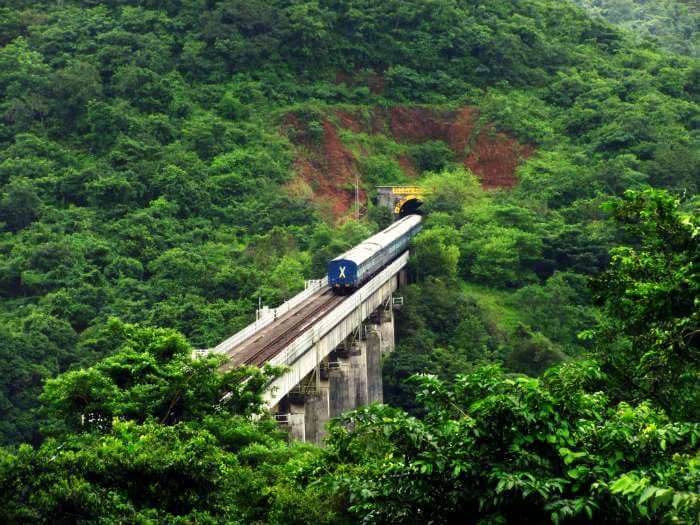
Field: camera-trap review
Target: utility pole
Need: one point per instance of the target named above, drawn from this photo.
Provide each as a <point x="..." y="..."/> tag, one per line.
<point x="357" y="196"/>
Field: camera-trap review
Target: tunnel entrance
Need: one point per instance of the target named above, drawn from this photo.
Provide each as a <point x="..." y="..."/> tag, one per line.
<point x="409" y="207"/>
<point x="401" y="200"/>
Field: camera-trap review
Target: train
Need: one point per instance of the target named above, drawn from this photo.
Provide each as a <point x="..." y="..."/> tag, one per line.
<point x="355" y="267"/>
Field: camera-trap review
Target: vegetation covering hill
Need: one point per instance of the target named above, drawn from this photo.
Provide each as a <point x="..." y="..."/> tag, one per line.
<point x="169" y="163"/>
<point x="674" y="24"/>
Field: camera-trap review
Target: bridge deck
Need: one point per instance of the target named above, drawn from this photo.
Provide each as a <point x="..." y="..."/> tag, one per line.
<point x="266" y="343"/>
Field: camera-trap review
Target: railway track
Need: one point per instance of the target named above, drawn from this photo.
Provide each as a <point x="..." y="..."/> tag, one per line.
<point x="263" y="346"/>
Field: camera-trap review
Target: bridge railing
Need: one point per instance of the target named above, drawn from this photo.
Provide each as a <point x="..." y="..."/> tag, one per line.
<point x="237" y="338"/>
<point x="297" y="348"/>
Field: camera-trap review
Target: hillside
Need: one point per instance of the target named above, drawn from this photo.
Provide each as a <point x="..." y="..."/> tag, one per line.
<point x="152" y="169"/>
<point x="673" y="24"/>
<point x="165" y="166"/>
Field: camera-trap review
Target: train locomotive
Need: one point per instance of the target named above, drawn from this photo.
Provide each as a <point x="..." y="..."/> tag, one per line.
<point x="356" y="266"/>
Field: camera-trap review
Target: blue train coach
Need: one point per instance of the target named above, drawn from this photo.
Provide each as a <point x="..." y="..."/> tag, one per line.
<point x="352" y="269"/>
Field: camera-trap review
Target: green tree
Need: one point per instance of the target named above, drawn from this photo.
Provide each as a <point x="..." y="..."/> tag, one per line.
<point x="154" y="434"/>
<point x="151" y="377"/>
<point x="75" y="86"/>
<point x="648" y="340"/>
<point x="434" y="255"/>
<point x="501" y="257"/>
<point x="672" y="23"/>
<point x="560" y="309"/>
<point x="20" y="205"/>
<point x="502" y="448"/>
<point x="432" y="156"/>
<point x="450" y="191"/>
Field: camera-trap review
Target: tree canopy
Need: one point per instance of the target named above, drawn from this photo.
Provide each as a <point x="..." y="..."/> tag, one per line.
<point x="166" y="166"/>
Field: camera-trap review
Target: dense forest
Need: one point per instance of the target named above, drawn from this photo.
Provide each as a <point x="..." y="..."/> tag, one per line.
<point x="673" y="24"/>
<point x="167" y="165"/>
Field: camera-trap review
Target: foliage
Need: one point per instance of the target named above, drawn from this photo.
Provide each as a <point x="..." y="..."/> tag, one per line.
<point x="431" y="155"/>
<point x="479" y="447"/>
<point x="675" y="24"/>
<point x="560" y="309"/>
<point x="143" y="174"/>
<point x="152" y="376"/>
<point x="450" y="191"/>
<point x="147" y="173"/>
<point x="155" y="435"/>
<point x="502" y="448"/>
<point x="649" y="337"/>
<point x="435" y="256"/>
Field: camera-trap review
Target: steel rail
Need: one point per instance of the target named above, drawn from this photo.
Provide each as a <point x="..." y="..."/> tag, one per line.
<point x="250" y="354"/>
<point x="278" y="344"/>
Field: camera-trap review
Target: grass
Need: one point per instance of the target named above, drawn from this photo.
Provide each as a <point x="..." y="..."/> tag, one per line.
<point x="497" y="304"/>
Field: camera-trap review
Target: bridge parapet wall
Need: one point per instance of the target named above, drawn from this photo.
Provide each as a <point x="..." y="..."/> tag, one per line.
<point x="259" y="324"/>
<point x="304" y="353"/>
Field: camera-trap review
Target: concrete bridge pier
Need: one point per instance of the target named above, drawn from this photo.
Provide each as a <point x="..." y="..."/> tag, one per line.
<point x="341" y="388"/>
<point x="295" y="421"/>
<point x="374" y="365"/>
<point x="349" y="377"/>
<point x="386" y="331"/>
<point x="358" y="368"/>
<point x="316" y="416"/>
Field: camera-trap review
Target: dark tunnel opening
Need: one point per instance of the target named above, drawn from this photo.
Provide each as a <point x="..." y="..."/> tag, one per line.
<point x="410" y="207"/>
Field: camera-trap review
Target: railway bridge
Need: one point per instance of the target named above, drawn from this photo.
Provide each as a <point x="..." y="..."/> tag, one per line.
<point x="332" y="346"/>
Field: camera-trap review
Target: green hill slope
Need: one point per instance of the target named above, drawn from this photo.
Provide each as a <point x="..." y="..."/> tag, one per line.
<point x="147" y="171"/>
<point x="674" y="24"/>
<point x="171" y="163"/>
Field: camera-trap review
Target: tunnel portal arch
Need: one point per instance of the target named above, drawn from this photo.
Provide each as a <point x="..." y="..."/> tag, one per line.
<point x="407" y="206"/>
<point x="401" y="200"/>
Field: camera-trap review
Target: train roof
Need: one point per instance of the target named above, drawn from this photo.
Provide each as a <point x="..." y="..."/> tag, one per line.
<point x="376" y="242"/>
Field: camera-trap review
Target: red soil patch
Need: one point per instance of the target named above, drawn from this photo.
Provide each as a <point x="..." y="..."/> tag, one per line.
<point x="407" y="166"/>
<point x="490" y="155"/>
<point x="330" y="172"/>
<point x="495" y="157"/>
<point x="330" y="169"/>
<point x="348" y="121"/>
<point x="338" y="160"/>
<point x="416" y="125"/>
<point x="461" y="129"/>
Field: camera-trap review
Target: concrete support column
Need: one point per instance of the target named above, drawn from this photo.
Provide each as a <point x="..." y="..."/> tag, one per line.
<point x="358" y="367"/>
<point x="386" y="326"/>
<point x="374" y="365"/>
<point x="296" y="425"/>
<point x="316" y="416"/>
<point x="402" y="277"/>
<point x="341" y="389"/>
